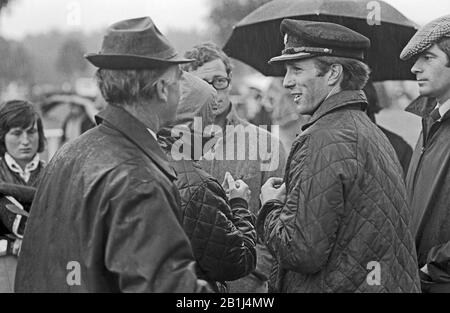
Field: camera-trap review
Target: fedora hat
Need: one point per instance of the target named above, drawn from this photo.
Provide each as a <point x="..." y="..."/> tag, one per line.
<point x="135" y="44"/>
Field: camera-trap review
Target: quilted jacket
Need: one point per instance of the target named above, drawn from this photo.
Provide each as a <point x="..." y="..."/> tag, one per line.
<point x="345" y="224"/>
<point x="222" y="234"/>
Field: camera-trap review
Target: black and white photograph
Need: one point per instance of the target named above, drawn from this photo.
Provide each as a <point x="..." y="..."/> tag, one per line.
<point x="229" y="153"/>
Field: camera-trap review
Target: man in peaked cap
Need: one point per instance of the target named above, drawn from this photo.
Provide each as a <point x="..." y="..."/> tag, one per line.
<point x="106" y="215"/>
<point x="428" y="180"/>
<point x="338" y="222"/>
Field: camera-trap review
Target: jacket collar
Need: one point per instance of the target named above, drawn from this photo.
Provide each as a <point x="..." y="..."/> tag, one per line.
<point x="132" y="129"/>
<point x="341" y="99"/>
<point x="422" y="106"/>
<point x="25" y="173"/>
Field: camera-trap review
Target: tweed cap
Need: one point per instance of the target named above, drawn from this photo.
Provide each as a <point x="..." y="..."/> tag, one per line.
<point x="427" y="36"/>
<point x="306" y="39"/>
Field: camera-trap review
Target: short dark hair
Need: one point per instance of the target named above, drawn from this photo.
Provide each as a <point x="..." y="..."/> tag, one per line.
<point x="444" y="45"/>
<point x="356" y="73"/>
<point x="204" y="53"/>
<point x="19" y="113"/>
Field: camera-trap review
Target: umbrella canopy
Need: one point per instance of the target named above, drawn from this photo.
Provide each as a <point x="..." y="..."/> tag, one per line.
<point x="257" y="38"/>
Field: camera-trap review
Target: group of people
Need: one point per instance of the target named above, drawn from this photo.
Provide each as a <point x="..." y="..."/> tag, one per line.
<point x="151" y="201"/>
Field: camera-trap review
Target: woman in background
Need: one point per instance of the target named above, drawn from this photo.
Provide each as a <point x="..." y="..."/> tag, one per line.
<point x="21" y="139"/>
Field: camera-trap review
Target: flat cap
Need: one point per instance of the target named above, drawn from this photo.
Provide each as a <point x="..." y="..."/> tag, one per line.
<point x="306" y="39"/>
<point x="427" y="36"/>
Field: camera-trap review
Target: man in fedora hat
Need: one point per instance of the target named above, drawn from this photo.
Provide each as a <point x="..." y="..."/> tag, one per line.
<point x="338" y="222"/>
<point x="428" y="180"/>
<point x="106" y="214"/>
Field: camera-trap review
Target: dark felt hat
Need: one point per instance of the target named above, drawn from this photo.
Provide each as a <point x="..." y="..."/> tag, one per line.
<point x="306" y="39"/>
<point x="135" y="44"/>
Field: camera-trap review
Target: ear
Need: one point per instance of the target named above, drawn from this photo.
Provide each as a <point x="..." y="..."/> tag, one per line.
<point x="336" y="73"/>
<point x="162" y="90"/>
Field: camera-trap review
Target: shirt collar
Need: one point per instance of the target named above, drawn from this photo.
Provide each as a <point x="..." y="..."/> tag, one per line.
<point x="443" y="108"/>
<point x="16" y="168"/>
<point x="152" y="133"/>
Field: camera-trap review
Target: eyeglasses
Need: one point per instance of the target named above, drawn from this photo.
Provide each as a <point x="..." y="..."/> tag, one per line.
<point x="219" y="83"/>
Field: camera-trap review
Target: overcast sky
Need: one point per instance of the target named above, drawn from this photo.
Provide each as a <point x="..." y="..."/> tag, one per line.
<point x="37" y="16"/>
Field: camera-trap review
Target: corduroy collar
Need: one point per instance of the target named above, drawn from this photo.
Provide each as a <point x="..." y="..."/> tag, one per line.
<point x="422" y="106"/>
<point x="337" y="101"/>
<point x="135" y="131"/>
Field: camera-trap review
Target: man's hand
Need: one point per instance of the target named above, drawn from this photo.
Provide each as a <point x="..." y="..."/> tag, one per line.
<point x="236" y="189"/>
<point x="273" y="189"/>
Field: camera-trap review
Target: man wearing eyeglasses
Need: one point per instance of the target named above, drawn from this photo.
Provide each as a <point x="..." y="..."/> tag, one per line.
<point x="213" y="66"/>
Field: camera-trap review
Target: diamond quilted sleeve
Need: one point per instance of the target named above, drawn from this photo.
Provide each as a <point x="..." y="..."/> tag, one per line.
<point x="223" y="240"/>
<point x="303" y="231"/>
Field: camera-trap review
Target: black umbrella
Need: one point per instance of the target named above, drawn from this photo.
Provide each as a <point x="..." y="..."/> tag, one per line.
<point x="257" y="37"/>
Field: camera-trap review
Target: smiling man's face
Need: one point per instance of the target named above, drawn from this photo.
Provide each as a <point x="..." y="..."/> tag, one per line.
<point x="432" y="74"/>
<point x="305" y="86"/>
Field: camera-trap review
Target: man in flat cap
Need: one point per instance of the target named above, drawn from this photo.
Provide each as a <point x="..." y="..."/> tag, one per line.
<point x="339" y="220"/>
<point x="428" y="179"/>
<point x="106" y="214"/>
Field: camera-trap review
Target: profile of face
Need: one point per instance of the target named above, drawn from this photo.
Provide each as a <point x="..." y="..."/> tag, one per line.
<point x="432" y="74"/>
<point x="305" y="86"/>
<point x="215" y="74"/>
<point x="22" y="143"/>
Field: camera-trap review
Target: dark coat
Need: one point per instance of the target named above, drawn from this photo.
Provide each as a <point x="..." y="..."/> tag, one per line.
<point x="428" y="185"/>
<point x="107" y="208"/>
<point x="346" y="207"/>
<point x="11" y="184"/>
